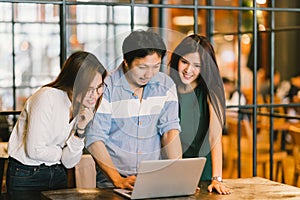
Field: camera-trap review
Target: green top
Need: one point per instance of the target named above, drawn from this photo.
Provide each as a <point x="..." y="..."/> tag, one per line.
<point x="194" y="121"/>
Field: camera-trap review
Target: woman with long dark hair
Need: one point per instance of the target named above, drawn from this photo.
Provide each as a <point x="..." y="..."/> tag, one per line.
<point x="194" y="69"/>
<point x="49" y="135"/>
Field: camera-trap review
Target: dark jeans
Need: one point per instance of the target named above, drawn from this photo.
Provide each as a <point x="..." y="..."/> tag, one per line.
<point x="27" y="182"/>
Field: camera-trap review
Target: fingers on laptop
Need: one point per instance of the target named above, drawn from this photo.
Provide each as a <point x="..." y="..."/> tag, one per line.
<point x="130" y="180"/>
<point x="125" y="183"/>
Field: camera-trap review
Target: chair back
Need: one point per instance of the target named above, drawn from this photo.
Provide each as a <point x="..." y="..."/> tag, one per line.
<point x="295" y="133"/>
<point x="246" y="134"/>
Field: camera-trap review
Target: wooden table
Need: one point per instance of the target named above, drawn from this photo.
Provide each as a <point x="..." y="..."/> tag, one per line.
<point x="243" y="189"/>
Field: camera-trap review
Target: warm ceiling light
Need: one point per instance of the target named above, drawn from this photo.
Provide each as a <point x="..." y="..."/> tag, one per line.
<point x="228" y="37"/>
<point x="246" y="39"/>
<point x="261" y="1"/>
<point x="184" y="20"/>
<point x="261" y="27"/>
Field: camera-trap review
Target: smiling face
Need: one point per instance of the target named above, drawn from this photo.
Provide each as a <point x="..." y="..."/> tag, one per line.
<point x="142" y="70"/>
<point x="95" y="90"/>
<point x="189" y="69"/>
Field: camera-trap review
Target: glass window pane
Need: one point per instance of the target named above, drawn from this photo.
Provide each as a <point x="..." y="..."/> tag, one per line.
<point x="229" y="2"/>
<point x="121" y="14"/>
<point x="287" y="20"/>
<point x="6" y="98"/>
<point x="225" y="21"/>
<point x="6" y="78"/>
<point x="102" y="1"/>
<point x="166" y="2"/>
<point x="141" y="15"/>
<point x="247" y="21"/>
<point x="263" y="20"/>
<point x="89" y="36"/>
<point x="51" y="13"/>
<point x="6" y="44"/>
<point x="88" y="13"/>
<point x="285" y="53"/>
<point x="36" y="12"/>
<point x="25" y="12"/>
<point x="279" y="3"/>
<point x="37" y="49"/>
<point x="5" y="55"/>
<point x="109" y="50"/>
<point x="225" y="53"/>
<point x="247" y="3"/>
<point x="182" y="20"/>
<point x="5" y="11"/>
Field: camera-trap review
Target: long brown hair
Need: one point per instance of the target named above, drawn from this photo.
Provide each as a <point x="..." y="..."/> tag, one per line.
<point x="77" y="73"/>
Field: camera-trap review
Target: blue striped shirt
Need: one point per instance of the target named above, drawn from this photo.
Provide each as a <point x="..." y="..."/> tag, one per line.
<point x="131" y="129"/>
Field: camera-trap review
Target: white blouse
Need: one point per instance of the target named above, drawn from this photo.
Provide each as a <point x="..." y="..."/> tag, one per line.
<point x="43" y="133"/>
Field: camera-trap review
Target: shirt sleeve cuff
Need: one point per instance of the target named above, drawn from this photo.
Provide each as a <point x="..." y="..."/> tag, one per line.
<point x="75" y="143"/>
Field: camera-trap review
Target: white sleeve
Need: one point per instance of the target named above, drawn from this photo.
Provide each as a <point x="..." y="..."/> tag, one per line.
<point x="72" y="151"/>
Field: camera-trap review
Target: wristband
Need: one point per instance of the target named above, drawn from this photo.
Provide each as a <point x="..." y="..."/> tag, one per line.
<point x="82" y="135"/>
<point x="80" y="129"/>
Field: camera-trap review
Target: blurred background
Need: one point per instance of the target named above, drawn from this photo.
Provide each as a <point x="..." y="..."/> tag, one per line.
<point x="257" y="46"/>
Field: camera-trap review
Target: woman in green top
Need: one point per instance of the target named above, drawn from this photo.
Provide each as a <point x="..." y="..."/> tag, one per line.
<point x="194" y="69"/>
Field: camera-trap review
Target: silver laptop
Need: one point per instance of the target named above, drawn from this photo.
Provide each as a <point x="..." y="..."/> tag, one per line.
<point x="166" y="178"/>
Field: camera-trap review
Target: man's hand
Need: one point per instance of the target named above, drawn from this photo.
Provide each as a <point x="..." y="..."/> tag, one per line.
<point x="125" y="183"/>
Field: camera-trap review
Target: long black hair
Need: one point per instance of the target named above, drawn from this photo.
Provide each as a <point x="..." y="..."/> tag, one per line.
<point x="209" y="79"/>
